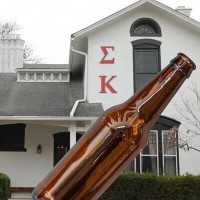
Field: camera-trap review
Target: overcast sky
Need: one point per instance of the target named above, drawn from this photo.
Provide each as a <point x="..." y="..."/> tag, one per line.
<point x="48" y="24"/>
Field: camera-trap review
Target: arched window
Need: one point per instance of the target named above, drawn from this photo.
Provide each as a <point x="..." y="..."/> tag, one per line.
<point x="161" y="155"/>
<point x="145" y="27"/>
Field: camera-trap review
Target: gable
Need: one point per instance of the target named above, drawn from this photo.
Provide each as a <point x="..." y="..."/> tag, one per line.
<point x="148" y="3"/>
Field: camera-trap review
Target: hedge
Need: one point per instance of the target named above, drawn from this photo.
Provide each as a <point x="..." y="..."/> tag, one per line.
<point x="4" y="187"/>
<point x="131" y="186"/>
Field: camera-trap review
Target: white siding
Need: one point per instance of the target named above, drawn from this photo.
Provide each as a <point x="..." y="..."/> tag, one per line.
<point x="27" y="169"/>
<point x="177" y="36"/>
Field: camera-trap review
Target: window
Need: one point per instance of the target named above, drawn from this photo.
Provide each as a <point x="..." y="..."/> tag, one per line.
<point x="161" y="155"/>
<point x="61" y="145"/>
<point x="146" y="52"/>
<point x="149" y="156"/>
<point x="146" y="61"/>
<point x="145" y="27"/>
<point x="169" y="154"/>
<point x="79" y="135"/>
<point x="12" y="137"/>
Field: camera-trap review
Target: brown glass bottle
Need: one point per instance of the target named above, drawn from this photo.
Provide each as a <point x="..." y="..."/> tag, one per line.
<point x="112" y="142"/>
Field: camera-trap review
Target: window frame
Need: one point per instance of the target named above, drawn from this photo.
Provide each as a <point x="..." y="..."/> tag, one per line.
<point x="151" y="155"/>
<point x="146" y="21"/>
<point x="164" y="155"/>
<point x="145" y="45"/>
<point x="64" y="138"/>
<point x="162" y="124"/>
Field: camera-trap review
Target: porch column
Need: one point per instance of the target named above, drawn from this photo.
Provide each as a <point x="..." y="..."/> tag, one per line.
<point x="72" y="130"/>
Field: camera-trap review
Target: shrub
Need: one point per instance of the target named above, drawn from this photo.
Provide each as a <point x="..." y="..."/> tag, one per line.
<point x="4" y="187"/>
<point x="131" y="186"/>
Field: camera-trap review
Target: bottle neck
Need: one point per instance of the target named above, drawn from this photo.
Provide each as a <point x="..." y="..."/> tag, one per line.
<point x="161" y="94"/>
<point x="150" y="101"/>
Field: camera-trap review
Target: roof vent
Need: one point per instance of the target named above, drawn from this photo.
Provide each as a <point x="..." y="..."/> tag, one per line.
<point x="184" y="10"/>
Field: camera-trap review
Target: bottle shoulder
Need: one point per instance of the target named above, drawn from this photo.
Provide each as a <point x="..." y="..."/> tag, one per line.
<point x="120" y="116"/>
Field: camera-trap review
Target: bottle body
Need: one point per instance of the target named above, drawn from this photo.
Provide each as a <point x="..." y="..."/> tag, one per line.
<point x="114" y="140"/>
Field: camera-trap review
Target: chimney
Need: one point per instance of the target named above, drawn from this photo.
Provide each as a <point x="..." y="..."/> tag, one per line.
<point x="11" y="53"/>
<point x="184" y="10"/>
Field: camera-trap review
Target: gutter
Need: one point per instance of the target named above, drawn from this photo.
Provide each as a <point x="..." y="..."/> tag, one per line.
<point x="85" y="81"/>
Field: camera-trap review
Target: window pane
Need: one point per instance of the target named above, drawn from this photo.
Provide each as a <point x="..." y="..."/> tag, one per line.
<point x="79" y="135"/>
<point x="12" y="137"/>
<point x="170" y="165"/>
<point x="61" y="145"/>
<point x="169" y="144"/>
<point x="146" y="61"/>
<point x="131" y="167"/>
<point x="61" y="151"/>
<point x="149" y="164"/>
<point x="142" y="79"/>
<point x="151" y="148"/>
<point x="144" y="29"/>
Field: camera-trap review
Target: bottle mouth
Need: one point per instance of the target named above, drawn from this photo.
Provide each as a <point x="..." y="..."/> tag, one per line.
<point x="184" y="64"/>
<point x="188" y="60"/>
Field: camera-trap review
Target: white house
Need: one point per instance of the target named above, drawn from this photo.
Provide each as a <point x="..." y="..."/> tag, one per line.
<point x="44" y="108"/>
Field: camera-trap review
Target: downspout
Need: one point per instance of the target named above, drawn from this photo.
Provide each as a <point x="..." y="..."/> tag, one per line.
<point x="85" y="81"/>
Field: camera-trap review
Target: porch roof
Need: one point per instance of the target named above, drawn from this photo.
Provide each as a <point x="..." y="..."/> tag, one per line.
<point x="43" y="98"/>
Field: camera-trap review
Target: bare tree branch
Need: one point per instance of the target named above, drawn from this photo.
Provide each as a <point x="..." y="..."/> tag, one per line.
<point x="189" y="113"/>
<point x="29" y="55"/>
<point x="189" y="110"/>
<point x="7" y="28"/>
<point x="177" y="139"/>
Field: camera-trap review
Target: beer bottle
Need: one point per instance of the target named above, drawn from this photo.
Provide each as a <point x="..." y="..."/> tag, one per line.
<point x="114" y="140"/>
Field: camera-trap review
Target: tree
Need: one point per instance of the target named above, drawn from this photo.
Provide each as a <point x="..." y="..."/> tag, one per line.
<point x="7" y="28"/>
<point x="29" y="55"/>
<point x="10" y="27"/>
<point x="189" y="113"/>
<point x="181" y="140"/>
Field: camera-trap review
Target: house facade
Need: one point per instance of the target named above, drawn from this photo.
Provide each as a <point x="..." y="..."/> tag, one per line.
<point x="46" y="108"/>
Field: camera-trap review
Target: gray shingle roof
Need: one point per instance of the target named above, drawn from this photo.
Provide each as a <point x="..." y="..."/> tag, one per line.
<point x="89" y="109"/>
<point x="42" y="99"/>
